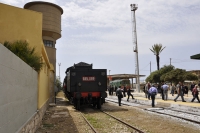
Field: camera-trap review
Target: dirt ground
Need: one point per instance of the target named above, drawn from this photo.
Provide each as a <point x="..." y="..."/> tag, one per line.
<point x="63" y="118"/>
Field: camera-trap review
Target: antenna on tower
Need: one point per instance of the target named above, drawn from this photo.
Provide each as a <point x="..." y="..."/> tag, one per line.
<point x="134" y="7"/>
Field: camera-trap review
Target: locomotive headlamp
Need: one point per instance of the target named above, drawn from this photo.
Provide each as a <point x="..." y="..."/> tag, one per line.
<point x="99" y="83"/>
<point x="79" y="84"/>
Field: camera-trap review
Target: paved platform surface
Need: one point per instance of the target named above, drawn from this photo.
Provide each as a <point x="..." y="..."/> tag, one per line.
<point x="140" y="98"/>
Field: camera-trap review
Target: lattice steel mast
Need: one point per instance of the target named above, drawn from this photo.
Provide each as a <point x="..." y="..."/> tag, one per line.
<point x="134" y="7"/>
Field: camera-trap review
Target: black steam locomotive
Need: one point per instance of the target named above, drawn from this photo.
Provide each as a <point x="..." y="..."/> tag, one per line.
<point x="84" y="85"/>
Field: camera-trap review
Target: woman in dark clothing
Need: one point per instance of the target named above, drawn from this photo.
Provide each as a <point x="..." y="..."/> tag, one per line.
<point x="192" y="86"/>
<point x="186" y="90"/>
<point x="195" y="94"/>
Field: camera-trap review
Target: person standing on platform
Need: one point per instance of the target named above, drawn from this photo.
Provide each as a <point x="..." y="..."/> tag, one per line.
<point x="124" y="91"/>
<point x="165" y="91"/>
<point x="116" y="90"/>
<point x="153" y="92"/>
<point x="129" y="94"/>
<point x="180" y="92"/>
<point x="192" y="86"/>
<point x="195" y="94"/>
<point x="186" y="90"/>
<point x="173" y="88"/>
<point x="119" y="95"/>
<point x="111" y="90"/>
<point x="147" y="87"/>
<point x="162" y="92"/>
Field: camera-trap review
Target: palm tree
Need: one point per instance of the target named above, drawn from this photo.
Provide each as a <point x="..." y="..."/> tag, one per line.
<point x="157" y="49"/>
<point x="24" y="52"/>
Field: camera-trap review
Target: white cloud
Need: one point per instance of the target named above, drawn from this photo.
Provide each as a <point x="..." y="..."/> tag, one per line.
<point x="103" y="28"/>
<point x="10" y="2"/>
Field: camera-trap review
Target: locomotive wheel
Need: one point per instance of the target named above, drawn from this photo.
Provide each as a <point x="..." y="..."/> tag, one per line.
<point x="71" y="101"/>
<point x="75" y="101"/>
<point x="102" y="101"/>
<point x="94" y="105"/>
<point x="99" y="103"/>
<point x="78" y="106"/>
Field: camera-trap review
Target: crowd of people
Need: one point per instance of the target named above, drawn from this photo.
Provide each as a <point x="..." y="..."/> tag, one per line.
<point x="180" y="89"/>
<point x="151" y="90"/>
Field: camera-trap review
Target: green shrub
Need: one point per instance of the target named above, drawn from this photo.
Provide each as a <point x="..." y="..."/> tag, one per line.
<point x="23" y="51"/>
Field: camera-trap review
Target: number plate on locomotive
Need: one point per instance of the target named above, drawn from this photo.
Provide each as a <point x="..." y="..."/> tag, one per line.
<point x="88" y="78"/>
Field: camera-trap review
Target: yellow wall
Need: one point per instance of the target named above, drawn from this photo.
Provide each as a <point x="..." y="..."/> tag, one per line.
<point x="45" y="80"/>
<point x="22" y="24"/>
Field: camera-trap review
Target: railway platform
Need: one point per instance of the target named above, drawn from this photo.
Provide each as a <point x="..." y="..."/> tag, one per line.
<point x="141" y="99"/>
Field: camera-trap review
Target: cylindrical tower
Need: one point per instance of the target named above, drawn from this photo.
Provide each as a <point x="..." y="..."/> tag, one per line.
<point x="51" y="25"/>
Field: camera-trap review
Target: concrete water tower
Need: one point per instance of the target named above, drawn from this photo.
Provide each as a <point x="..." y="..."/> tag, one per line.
<point x="51" y="25"/>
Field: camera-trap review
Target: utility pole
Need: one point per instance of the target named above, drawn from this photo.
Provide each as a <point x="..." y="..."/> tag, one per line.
<point x="109" y="72"/>
<point x="170" y="61"/>
<point x="134" y="7"/>
<point x="59" y="64"/>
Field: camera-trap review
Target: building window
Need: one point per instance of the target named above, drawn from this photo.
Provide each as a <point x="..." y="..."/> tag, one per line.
<point x="48" y="43"/>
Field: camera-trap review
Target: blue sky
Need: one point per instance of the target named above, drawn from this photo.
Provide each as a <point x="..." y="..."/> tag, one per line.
<point x="100" y="32"/>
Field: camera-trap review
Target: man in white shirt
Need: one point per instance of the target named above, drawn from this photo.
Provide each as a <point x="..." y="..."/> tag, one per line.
<point x="153" y="92"/>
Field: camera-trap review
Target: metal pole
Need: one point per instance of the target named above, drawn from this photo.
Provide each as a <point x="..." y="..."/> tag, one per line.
<point x="134" y="8"/>
<point x="59" y="69"/>
<point x="138" y="76"/>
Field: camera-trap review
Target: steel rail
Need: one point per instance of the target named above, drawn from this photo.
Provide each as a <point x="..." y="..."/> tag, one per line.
<point x="181" y="111"/>
<point x="125" y="102"/>
<point x="197" y="122"/>
<point x="140" y="131"/>
<point x="88" y="123"/>
<point x="159" y="107"/>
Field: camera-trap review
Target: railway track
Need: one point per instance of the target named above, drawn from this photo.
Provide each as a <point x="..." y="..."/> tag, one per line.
<point x="125" y="123"/>
<point x="184" y="115"/>
<point x="183" y="111"/>
<point x="135" y="129"/>
<point x="92" y="128"/>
